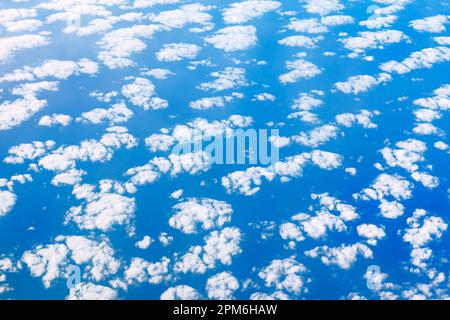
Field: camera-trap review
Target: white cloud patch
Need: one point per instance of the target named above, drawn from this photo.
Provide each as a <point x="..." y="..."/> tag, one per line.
<point x="299" y="69"/>
<point x="177" y="52"/>
<point x="233" y="38"/>
<point x="194" y="214"/>
<point x="222" y="286"/>
<point x="343" y="256"/>
<point x="424" y="59"/>
<point x="141" y="92"/>
<point x="241" y="12"/>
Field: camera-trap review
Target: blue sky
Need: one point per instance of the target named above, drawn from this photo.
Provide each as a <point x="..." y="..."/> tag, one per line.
<point x="95" y="94"/>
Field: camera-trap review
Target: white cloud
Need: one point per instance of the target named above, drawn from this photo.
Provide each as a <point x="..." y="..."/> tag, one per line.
<point x="233" y="38"/>
<point x="426" y="179"/>
<point x="188" y="14"/>
<point x="90" y="291"/>
<point x="241" y="12"/>
<point x="286" y="275"/>
<point x="425" y="58"/>
<point x="7" y="202"/>
<point x="220" y="247"/>
<point x="299" y="69"/>
<point x="181" y="292"/>
<point x="9" y="46"/>
<point x="59" y="69"/>
<point x="119" y="45"/>
<point x="323" y="7"/>
<point x="343" y="256"/>
<point x="386" y="185"/>
<point x="50" y="262"/>
<point x="379" y="22"/>
<point x="222" y="286"/>
<point x="158" y="73"/>
<point x="229" y="78"/>
<point x="103" y="213"/>
<point x="435" y="24"/>
<point x="194" y="214"/>
<point x="362" y="83"/>
<point x="391" y="210"/>
<point x="371" y="232"/>
<point x="177" y="52"/>
<point x="118" y="113"/>
<point x="312" y="26"/>
<point x="142" y="93"/>
<point x="299" y="41"/>
<point x="13" y="113"/>
<point x="55" y="119"/>
<point x="208" y="103"/>
<point x="28" y="151"/>
<point x="141" y="271"/>
<point x="367" y="40"/>
<point x="249" y="182"/>
<point x="144" y="243"/>
<point x="408" y="154"/>
<point x="291" y="232"/>
<point x="363" y="118"/>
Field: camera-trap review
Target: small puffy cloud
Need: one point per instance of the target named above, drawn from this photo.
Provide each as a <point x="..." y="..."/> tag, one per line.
<point x="118" y="113"/>
<point x="371" y="232"/>
<point x="427" y="180"/>
<point x="299" y="41"/>
<point x="181" y="292"/>
<point x="318" y="136"/>
<point x="362" y="83"/>
<point x="291" y="232"/>
<point x="229" y="78"/>
<point x="10" y="45"/>
<point x="194" y="214"/>
<point x="391" y="209"/>
<point x="299" y="69"/>
<point x="233" y="38"/>
<point x="177" y="52"/>
<point x="7" y="202"/>
<point x="90" y="291"/>
<point x="363" y="118"/>
<point x="407" y="155"/>
<point x="249" y="182"/>
<point x="50" y="262"/>
<point x="54" y="120"/>
<point x="312" y="26"/>
<point x="371" y="40"/>
<point x="222" y="286"/>
<point x="435" y="24"/>
<point x="323" y="7"/>
<point x="144" y="243"/>
<point x="14" y="113"/>
<point x="386" y="185"/>
<point x="379" y="22"/>
<point x="158" y="73"/>
<point x="241" y="12"/>
<point x="214" y="102"/>
<point x="423" y="59"/>
<point x="141" y="92"/>
<point x="59" y="69"/>
<point x="195" y="13"/>
<point x="343" y="256"/>
<point x="140" y="271"/>
<point x="285" y="275"/>
<point x="104" y="212"/>
<point x="220" y="247"/>
<point x="119" y="45"/>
